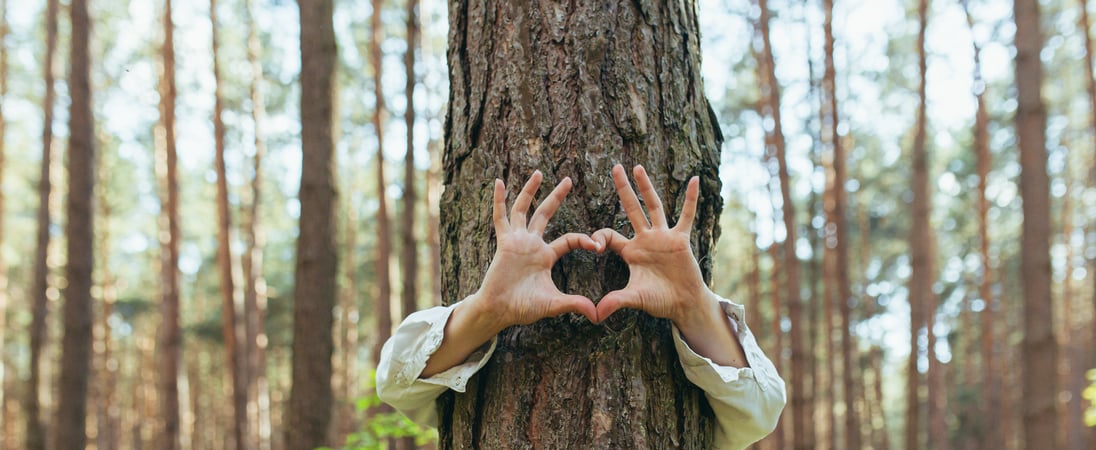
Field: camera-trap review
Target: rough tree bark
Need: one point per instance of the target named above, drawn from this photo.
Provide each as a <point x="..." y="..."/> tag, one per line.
<point x="572" y="89"/>
<point x="1040" y="352"/>
<point x="800" y="421"/>
<point x="920" y="285"/>
<point x="76" y="343"/>
<point x="36" y="429"/>
<point x="170" y="339"/>
<point x="311" y="396"/>
<point x="234" y="359"/>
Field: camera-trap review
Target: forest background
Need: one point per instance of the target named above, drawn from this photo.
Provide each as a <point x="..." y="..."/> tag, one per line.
<point x="236" y="126"/>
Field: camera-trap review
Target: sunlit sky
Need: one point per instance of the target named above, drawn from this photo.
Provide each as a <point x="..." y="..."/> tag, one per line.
<point x="862" y="28"/>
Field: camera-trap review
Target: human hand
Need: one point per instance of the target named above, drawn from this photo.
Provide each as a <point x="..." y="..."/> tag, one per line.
<point x="518" y="287"/>
<point x="665" y="278"/>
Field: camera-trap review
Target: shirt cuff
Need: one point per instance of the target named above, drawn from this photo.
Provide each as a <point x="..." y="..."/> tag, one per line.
<point x="429" y="327"/>
<point x="710" y="375"/>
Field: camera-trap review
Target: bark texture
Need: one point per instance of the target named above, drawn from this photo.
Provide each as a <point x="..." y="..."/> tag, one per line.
<point x="311" y="396"/>
<point x="1040" y="352"/>
<point x="76" y="343"/>
<point x="572" y="89"/>
<point x="36" y="430"/>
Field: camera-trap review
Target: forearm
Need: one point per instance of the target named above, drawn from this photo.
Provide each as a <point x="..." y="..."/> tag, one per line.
<point x="709" y="332"/>
<point x="468" y="329"/>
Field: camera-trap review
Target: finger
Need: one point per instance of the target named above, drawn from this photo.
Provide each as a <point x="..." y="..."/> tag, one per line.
<point x="572" y="241"/>
<point x="525" y="198"/>
<point x="688" y="210"/>
<point x="548" y="209"/>
<point x="499" y="209"/>
<point x="629" y="200"/>
<point x="608" y="238"/>
<point x="614" y="301"/>
<point x="573" y="304"/>
<point x="650" y="197"/>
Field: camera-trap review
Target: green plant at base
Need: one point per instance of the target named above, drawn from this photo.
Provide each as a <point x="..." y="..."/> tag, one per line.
<point x="376" y="431"/>
<point x="1090" y="395"/>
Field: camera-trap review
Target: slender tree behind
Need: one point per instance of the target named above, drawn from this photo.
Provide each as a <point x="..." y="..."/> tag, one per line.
<point x="410" y="257"/>
<point x="36" y="432"/>
<point x="76" y="343"/>
<point x="383" y="303"/>
<point x="574" y="91"/>
<point x="234" y="359"/>
<point x="5" y="396"/>
<point x="252" y="261"/>
<point x="311" y="397"/>
<point x="989" y="409"/>
<point x="1090" y="232"/>
<point x="1040" y="352"/>
<point x="800" y="421"/>
<point x="920" y="283"/>
<point x="170" y="335"/>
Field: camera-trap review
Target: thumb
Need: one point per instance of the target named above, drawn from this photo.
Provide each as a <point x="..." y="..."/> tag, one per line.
<point x="615" y="300"/>
<point x="574" y="304"/>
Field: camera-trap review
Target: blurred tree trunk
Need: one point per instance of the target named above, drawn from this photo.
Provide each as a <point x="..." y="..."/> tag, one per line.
<point x="383" y="306"/>
<point x="234" y="359"/>
<point x="348" y="326"/>
<point x="5" y="394"/>
<point x="76" y="344"/>
<point x="814" y="269"/>
<point x="1090" y="232"/>
<point x="989" y="409"/>
<point x="1039" y="349"/>
<point x="776" y="341"/>
<point x="433" y="220"/>
<point x="258" y="396"/>
<point x="106" y="362"/>
<point x="799" y="355"/>
<point x="311" y="396"/>
<point x="170" y="339"/>
<point x="410" y="257"/>
<point x="582" y="87"/>
<point x="1070" y="366"/>
<point x="874" y="412"/>
<point x="920" y="285"/>
<point x="36" y="429"/>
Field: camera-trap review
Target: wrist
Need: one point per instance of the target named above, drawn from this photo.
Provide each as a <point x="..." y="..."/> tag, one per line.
<point x="476" y="314"/>
<point x="706" y="314"/>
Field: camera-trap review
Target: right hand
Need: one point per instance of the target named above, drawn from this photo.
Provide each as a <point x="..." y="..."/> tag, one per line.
<point x="518" y="287"/>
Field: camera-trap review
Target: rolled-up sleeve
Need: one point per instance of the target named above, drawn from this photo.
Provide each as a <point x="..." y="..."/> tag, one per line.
<point x="404" y="357"/>
<point x="747" y="402"/>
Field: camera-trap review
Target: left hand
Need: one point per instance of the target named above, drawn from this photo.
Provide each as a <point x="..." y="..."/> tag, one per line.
<point x="665" y="278"/>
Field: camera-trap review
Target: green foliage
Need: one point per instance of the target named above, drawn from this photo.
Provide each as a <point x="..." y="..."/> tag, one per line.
<point x="1090" y="395"/>
<point x="380" y="427"/>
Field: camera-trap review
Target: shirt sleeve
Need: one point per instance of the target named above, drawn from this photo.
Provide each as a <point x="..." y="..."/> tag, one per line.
<point x="404" y="357"/>
<point x="747" y="402"/>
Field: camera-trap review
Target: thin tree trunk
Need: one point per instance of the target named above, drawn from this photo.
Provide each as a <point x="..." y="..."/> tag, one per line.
<point x="1090" y="85"/>
<point x="1071" y="372"/>
<point x="585" y="86"/>
<point x="776" y="342"/>
<point x="252" y="261"/>
<point x="791" y="295"/>
<point x="76" y="344"/>
<point x="382" y="309"/>
<point x="314" y="293"/>
<point x="348" y="326"/>
<point x="170" y="339"/>
<point x="234" y="360"/>
<point x="1039" y="349"/>
<point x="920" y="286"/>
<point x="835" y="239"/>
<point x="36" y="429"/>
<point x="410" y="257"/>
<point x="5" y="396"/>
<point x="106" y="367"/>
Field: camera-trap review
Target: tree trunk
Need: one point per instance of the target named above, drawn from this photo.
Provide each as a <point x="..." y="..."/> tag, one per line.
<point x="383" y="303"/>
<point x="234" y="360"/>
<point x="348" y="327"/>
<point x="578" y="88"/>
<point x="410" y="257"/>
<point x="921" y="299"/>
<point x="1039" y="349"/>
<point x="800" y="421"/>
<point x="252" y="261"/>
<point x="1090" y="232"/>
<point x="311" y="396"/>
<point x="76" y="344"/>
<point x="106" y="366"/>
<point x="5" y="396"/>
<point x="170" y="339"/>
<point x="36" y="430"/>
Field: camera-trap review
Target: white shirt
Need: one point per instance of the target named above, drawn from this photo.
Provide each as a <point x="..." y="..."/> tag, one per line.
<point x="746" y="401"/>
